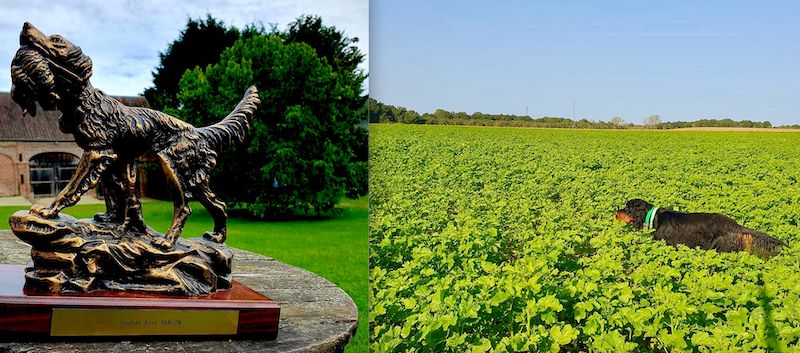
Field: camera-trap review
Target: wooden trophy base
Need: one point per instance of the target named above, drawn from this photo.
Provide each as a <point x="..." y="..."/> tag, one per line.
<point x="238" y="313"/>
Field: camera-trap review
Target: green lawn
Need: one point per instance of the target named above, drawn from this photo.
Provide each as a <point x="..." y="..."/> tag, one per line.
<point x="335" y="248"/>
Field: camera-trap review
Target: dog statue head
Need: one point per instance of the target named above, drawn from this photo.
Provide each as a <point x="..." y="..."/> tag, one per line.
<point x="46" y="69"/>
<point x="634" y="212"/>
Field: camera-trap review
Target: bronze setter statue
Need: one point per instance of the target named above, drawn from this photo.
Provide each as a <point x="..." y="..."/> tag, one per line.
<point x="54" y="72"/>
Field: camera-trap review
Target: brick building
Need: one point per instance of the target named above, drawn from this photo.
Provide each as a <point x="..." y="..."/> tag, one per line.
<point x="36" y="158"/>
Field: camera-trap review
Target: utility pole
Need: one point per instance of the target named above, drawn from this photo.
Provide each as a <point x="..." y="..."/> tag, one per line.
<point x="526" y="110"/>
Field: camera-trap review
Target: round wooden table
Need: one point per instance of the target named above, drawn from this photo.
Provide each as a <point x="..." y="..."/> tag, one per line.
<point x="316" y="315"/>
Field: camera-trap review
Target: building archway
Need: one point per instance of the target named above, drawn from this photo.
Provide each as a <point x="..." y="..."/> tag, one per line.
<point x="8" y="177"/>
<point x="50" y="172"/>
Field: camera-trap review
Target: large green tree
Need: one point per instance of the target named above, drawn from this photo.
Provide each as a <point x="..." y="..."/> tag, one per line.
<point x="199" y="44"/>
<point x="330" y="43"/>
<point x="301" y="152"/>
<point x="342" y="54"/>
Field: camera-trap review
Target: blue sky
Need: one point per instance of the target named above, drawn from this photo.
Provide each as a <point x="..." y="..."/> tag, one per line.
<point x="123" y="38"/>
<point x="682" y="60"/>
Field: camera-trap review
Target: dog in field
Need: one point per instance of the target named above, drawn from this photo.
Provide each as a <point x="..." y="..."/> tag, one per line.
<point x="55" y="73"/>
<point x="704" y="230"/>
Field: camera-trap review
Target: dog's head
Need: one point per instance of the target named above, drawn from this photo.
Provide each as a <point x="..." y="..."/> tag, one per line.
<point x="634" y="212"/>
<point x="45" y="69"/>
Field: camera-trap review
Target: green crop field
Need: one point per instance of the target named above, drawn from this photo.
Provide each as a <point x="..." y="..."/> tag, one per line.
<point x="504" y="240"/>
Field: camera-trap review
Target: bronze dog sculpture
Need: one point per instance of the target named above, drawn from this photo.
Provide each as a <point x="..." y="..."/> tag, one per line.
<point x="54" y="72"/>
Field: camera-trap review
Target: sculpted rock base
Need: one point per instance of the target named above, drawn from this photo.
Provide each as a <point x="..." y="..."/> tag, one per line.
<point x="71" y="255"/>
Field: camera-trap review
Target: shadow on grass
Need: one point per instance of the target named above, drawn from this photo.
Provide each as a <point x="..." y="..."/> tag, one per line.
<point x="770" y="331"/>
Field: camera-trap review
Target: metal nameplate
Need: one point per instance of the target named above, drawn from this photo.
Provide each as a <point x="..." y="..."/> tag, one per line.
<point x="142" y="322"/>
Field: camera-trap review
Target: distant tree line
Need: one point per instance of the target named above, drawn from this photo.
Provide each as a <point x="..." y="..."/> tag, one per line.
<point x="385" y="113"/>
<point x="714" y="123"/>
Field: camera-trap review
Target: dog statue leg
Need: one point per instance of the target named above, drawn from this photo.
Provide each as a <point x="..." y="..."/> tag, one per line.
<point x="133" y="204"/>
<point x="181" y="212"/>
<point x="114" y="194"/>
<point x="217" y="210"/>
<point x="122" y="198"/>
<point x="90" y="168"/>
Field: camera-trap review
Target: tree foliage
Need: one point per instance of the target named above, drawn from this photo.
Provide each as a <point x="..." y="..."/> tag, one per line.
<point x="308" y="145"/>
<point x="333" y="45"/>
<point x="199" y="44"/>
<point x="714" y="123"/>
<point x="300" y="153"/>
<point x="652" y="121"/>
<point x="340" y="52"/>
<point x="385" y="113"/>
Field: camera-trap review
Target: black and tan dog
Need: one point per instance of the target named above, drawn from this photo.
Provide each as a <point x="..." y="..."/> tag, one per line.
<point x="704" y="230"/>
<point x="54" y="72"/>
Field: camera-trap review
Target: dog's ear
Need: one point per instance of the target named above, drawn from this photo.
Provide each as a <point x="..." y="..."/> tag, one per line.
<point x="79" y="63"/>
<point x="636" y="209"/>
<point x="640" y="208"/>
<point x="25" y="100"/>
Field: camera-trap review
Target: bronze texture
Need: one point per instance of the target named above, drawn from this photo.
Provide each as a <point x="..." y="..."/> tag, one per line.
<point x="55" y="73"/>
<point x="71" y="255"/>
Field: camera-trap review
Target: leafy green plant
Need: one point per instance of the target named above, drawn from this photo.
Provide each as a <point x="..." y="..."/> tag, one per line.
<point x="301" y="150"/>
<point x="504" y="240"/>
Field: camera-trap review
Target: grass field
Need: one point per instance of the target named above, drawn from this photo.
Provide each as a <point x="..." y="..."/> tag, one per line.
<point x="334" y="248"/>
<point x="504" y="240"/>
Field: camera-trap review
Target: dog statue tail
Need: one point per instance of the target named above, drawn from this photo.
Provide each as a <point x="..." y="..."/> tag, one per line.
<point x="752" y="241"/>
<point x="233" y="128"/>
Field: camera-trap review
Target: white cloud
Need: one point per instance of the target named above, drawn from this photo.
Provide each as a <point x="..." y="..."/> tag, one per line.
<point x="123" y="38"/>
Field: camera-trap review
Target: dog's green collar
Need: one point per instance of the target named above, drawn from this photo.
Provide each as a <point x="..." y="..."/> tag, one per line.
<point x="650" y="219"/>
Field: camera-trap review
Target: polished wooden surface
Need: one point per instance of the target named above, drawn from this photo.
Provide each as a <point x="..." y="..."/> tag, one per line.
<point x="316" y="315"/>
<point x="27" y="315"/>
